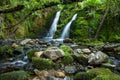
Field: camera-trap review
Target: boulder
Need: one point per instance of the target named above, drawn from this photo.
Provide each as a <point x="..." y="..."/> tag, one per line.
<point x="70" y="69"/>
<point x="41" y="74"/>
<point x="25" y="41"/>
<point x="53" y="53"/>
<point x="97" y="58"/>
<point x="67" y="40"/>
<point x="14" y="45"/>
<point x="59" y="74"/>
<point x="38" y="54"/>
<point x="78" y="51"/>
<point x="86" y="51"/>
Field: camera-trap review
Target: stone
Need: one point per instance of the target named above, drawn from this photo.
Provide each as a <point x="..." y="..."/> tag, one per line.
<point x="25" y="41"/>
<point x="74" y="46"/>
<point x="41" y="74"/>
<point x="70" y="69"/>
<point x="78" y="51"/>
<point x="35" y="78"/>
<point x="59" y="74"/>
<point x="67" y="40"/>
<point x="97" y="58"/>
<point x="86" y="51"/>
<point x="108" y="65"/>
<point x="53" y="53"/>
<point x="38" y="54"/>
<point x="14" y="45"/>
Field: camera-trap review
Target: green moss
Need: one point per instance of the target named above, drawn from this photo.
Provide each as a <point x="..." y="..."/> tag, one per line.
<point x="66" y="49"/>
<point x="84" y="76"/>
<point x="15" y="75"/>
<point x="42" y="63"/>
<point x="67" y="59"/>
<point x="6" y="50"/>
<point x="97" y="74"/>
<point x="30" y="54"/>
<point x="82" y="59"/>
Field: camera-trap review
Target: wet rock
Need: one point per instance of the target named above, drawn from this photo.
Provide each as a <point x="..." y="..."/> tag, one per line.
<point x="86" y="51"/>
<point x="108" y="65"/>
<point x="74" y="46"/>
<point x="25" y="41"/>
<point x="97" y="58"/>
<point x="67" y="40"/>
<point x="53" y="53"/>
<point x="78" y="51"/>
<point x="70" y="69"/>
<point x="38" y="54"/>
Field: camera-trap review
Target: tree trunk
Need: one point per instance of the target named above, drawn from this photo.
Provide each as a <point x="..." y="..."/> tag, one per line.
<point x="101" y="24"/>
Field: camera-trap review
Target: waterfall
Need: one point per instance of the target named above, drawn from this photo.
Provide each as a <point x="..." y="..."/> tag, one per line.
<point x="53" y="27"/>
<point x="65" y="33"/>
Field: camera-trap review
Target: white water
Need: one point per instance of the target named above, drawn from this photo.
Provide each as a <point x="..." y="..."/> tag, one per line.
<point x="53" y="27"/>
<point x="65" y="33"/>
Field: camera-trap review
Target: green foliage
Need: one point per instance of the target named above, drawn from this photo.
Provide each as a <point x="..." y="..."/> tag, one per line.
<point x="67" y="59"/>
<point x="30" y="54"/>
<point x="15" y="75"/>
<point x="66" y="49"/>
<point x="97" y="74"/>
<point x="42" y="63"/>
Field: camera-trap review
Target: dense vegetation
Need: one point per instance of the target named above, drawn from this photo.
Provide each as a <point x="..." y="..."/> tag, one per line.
<point x="98" y="19"/>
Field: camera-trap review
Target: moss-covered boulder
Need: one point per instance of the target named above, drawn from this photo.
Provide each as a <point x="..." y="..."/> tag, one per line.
<point x="67" y="59"/>
<point x="31" y="53"/>
<point x="42" y="63"/>
<point x="6" y="51"/>
<point x="97" y="74"/>
<point x="81" y="58"/>
<point x="15" y="75"/>
<point x="66" y="49"/>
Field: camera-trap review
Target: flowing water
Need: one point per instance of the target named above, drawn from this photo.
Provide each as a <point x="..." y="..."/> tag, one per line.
<point x="65" y="33"/>
<point x="53" y="27"/>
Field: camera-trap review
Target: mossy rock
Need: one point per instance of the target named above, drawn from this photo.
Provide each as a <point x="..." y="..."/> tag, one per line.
<point x="84" y="76"/>
<point x="97" y="74"/>
<point x="67" y="59"/>
<point x="82" y="59"/>
<point x="30" y="54"/>
<point x="15" y="75"/>
<point x="42" y="63"/>
<point x="6" y="50"/>
<point x="66" y="49"/>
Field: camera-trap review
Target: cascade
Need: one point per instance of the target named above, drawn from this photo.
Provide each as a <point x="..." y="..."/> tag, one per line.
<point x="65" y="33"/>
<point x="53" y="27"/>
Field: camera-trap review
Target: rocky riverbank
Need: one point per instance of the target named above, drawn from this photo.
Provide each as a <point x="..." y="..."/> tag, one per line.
<point x="41" y="60"/>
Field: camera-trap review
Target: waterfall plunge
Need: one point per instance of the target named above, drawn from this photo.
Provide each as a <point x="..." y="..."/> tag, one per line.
<point x="53" y="27"/>
<point x="65" y="33"/>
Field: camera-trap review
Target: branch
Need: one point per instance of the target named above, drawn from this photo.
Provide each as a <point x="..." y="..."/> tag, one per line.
<point x="101" y="23"/>
<point x="33" y="10"/>
<point x="14" y="9"/>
